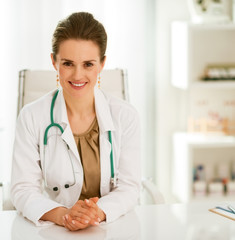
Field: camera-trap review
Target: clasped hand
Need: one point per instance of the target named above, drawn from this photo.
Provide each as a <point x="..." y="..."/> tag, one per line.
<point x="83" y="214"/>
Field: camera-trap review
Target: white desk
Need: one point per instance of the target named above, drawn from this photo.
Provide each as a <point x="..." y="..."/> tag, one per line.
<point x="163" y="222"/>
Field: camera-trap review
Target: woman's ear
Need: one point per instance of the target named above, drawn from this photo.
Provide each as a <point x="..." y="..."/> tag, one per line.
<point x="53" y="62"/>
<point x="103" y="63"/>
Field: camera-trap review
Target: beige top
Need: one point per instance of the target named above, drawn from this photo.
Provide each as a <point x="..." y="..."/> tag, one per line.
<point x="88" y="148"/>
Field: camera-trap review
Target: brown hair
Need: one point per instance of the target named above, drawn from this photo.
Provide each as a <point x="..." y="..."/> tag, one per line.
<point x="80" y="25"/>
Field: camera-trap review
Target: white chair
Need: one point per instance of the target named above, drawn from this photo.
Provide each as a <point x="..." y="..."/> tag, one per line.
<point x="154" y="196"/>
<point x="34" y="84"/>
<point x="5" y="200"/>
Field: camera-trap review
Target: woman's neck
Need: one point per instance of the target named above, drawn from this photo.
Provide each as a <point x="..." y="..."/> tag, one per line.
<point x="80" y="108"/>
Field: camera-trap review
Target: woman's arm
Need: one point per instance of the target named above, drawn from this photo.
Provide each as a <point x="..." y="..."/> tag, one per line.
<point x="125" y="196"/>
<point x="26" y="189"/>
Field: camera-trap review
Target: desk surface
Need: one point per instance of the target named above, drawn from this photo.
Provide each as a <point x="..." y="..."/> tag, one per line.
<point x="163" y="222"/>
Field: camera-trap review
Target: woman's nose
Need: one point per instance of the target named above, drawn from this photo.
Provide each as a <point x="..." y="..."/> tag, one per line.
<point x="78" y="72"/>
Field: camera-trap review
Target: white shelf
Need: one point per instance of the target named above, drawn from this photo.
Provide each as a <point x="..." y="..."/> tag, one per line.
<point x="202" y="140"/>
<point x="212" y="26"/>
<point x="213" y="84"/>
<point x="210" y="199"/>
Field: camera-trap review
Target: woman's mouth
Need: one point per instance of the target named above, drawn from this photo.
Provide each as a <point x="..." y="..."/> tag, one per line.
<point x="78" y="86"/>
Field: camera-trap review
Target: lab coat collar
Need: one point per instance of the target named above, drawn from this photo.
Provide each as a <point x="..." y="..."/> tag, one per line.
<point x="103" y="112"/>
<point x="102" y="109"/>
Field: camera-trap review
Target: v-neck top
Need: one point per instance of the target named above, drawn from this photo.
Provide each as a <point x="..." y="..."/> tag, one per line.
<point x="88" y="148"/>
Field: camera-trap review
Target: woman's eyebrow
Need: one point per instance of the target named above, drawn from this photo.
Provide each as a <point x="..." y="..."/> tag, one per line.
<point x="90" y="60"/>
<point x="66" y="60"/>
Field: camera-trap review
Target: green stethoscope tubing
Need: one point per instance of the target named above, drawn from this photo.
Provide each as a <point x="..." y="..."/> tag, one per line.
<point x="111" y="155"/>
<point x="53" y="124"/>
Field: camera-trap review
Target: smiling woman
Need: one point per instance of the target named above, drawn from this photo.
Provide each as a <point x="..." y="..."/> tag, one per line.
<point x="72" y="149"/>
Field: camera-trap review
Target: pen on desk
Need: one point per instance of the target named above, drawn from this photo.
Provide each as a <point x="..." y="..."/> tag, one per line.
<point x="226" y="210"/>
<point x="231" y="208"/>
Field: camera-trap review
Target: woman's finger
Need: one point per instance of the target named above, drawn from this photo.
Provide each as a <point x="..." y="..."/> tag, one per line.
<point x="82" y="220"/>
<point x="67" y="224"/>
<point x="82" y="211"/>
<point x="74" y="225"/>
<point x="91" y="204"/>
<point x="90" y="212"/>
<point x="94" y="199"/>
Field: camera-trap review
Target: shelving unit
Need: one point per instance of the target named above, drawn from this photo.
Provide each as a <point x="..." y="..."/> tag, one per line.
<point x="185" y="147"/>
<point x="193" y="48"/>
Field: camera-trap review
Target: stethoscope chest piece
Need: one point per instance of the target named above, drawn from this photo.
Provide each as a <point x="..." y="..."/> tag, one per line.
<point x="113" y="181"/>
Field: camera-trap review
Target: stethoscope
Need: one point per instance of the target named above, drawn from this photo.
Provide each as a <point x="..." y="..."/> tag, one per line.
<point x="113" y="179"/>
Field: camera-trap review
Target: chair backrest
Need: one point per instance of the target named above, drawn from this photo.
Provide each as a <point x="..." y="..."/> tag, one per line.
<point x="34" y="84"/>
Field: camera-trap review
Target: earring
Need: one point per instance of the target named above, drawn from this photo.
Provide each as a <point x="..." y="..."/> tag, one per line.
<point x="99" y="81"/>
<point x="57" y="81"/>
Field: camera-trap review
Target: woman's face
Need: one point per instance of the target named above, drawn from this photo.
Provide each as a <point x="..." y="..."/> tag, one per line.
<point x="78" y="65"/>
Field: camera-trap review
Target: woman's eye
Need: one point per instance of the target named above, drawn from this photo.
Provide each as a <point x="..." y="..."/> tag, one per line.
<point x="68" y="64"/>
<point x="88" y="64"/>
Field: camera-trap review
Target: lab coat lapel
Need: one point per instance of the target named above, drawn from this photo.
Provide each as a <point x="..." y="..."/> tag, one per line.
<point x="105" y="122"/>
<point x="103" y="112"/>
<point x="62" y="118"/>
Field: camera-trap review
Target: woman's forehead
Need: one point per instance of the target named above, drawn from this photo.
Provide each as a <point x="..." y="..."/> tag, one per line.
<point x="76" y="49"/>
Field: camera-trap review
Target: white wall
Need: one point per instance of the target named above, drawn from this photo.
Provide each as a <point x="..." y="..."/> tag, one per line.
<point x="168" y="107"/>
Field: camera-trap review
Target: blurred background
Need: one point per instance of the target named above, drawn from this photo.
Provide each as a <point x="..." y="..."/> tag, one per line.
<point x="180" y="60"/>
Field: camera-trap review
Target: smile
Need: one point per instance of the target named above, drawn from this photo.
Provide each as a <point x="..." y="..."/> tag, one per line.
<point x="78" y="84"/>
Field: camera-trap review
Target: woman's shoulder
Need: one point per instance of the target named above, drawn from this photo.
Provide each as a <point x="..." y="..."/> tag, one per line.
<point x="38" y="106"/>
<point x="117" y="101"/>
<point x="120" y="106"/>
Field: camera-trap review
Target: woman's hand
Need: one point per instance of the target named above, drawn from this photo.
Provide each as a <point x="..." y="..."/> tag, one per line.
<point x="83" y="214"/>
<point x="91" y="203"/>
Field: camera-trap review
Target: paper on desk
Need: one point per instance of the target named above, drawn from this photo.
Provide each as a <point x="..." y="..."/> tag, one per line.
<point x="223" y="212"/>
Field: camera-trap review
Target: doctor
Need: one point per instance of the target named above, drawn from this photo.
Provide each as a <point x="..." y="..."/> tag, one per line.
<point x="76" y="159"/>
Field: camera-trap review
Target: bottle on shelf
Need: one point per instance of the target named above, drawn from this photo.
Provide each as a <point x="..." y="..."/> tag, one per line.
<point x="200" y="187"/>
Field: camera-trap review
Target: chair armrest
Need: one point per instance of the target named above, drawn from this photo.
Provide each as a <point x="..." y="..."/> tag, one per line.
<point x="153" y="191"/>
<point x="6" y="198"/>
<point x="1" y="197"/>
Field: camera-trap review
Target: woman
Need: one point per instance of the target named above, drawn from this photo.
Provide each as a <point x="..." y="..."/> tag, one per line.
<point x="61" y="173"/>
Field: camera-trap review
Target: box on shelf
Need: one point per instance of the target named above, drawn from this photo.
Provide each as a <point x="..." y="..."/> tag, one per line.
<point x="199" y="188"/>
<point x="219" y="72"/>
<point x="216" y="189"/>
<point x="206" y="126"/>
<point x="231" y="188"/>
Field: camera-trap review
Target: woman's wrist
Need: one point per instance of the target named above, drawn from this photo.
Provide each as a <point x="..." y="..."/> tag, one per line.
<point x="55" y="215"/>
<point x="62" y="211"/>
<point x="102" y="216"/>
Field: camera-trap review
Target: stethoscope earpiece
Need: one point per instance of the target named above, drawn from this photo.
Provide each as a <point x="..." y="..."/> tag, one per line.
<point x="55" y="189"/>
<point x="66" y="185"/>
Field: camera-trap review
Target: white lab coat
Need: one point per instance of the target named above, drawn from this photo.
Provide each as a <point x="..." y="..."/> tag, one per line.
<point x="30" y="195"/>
